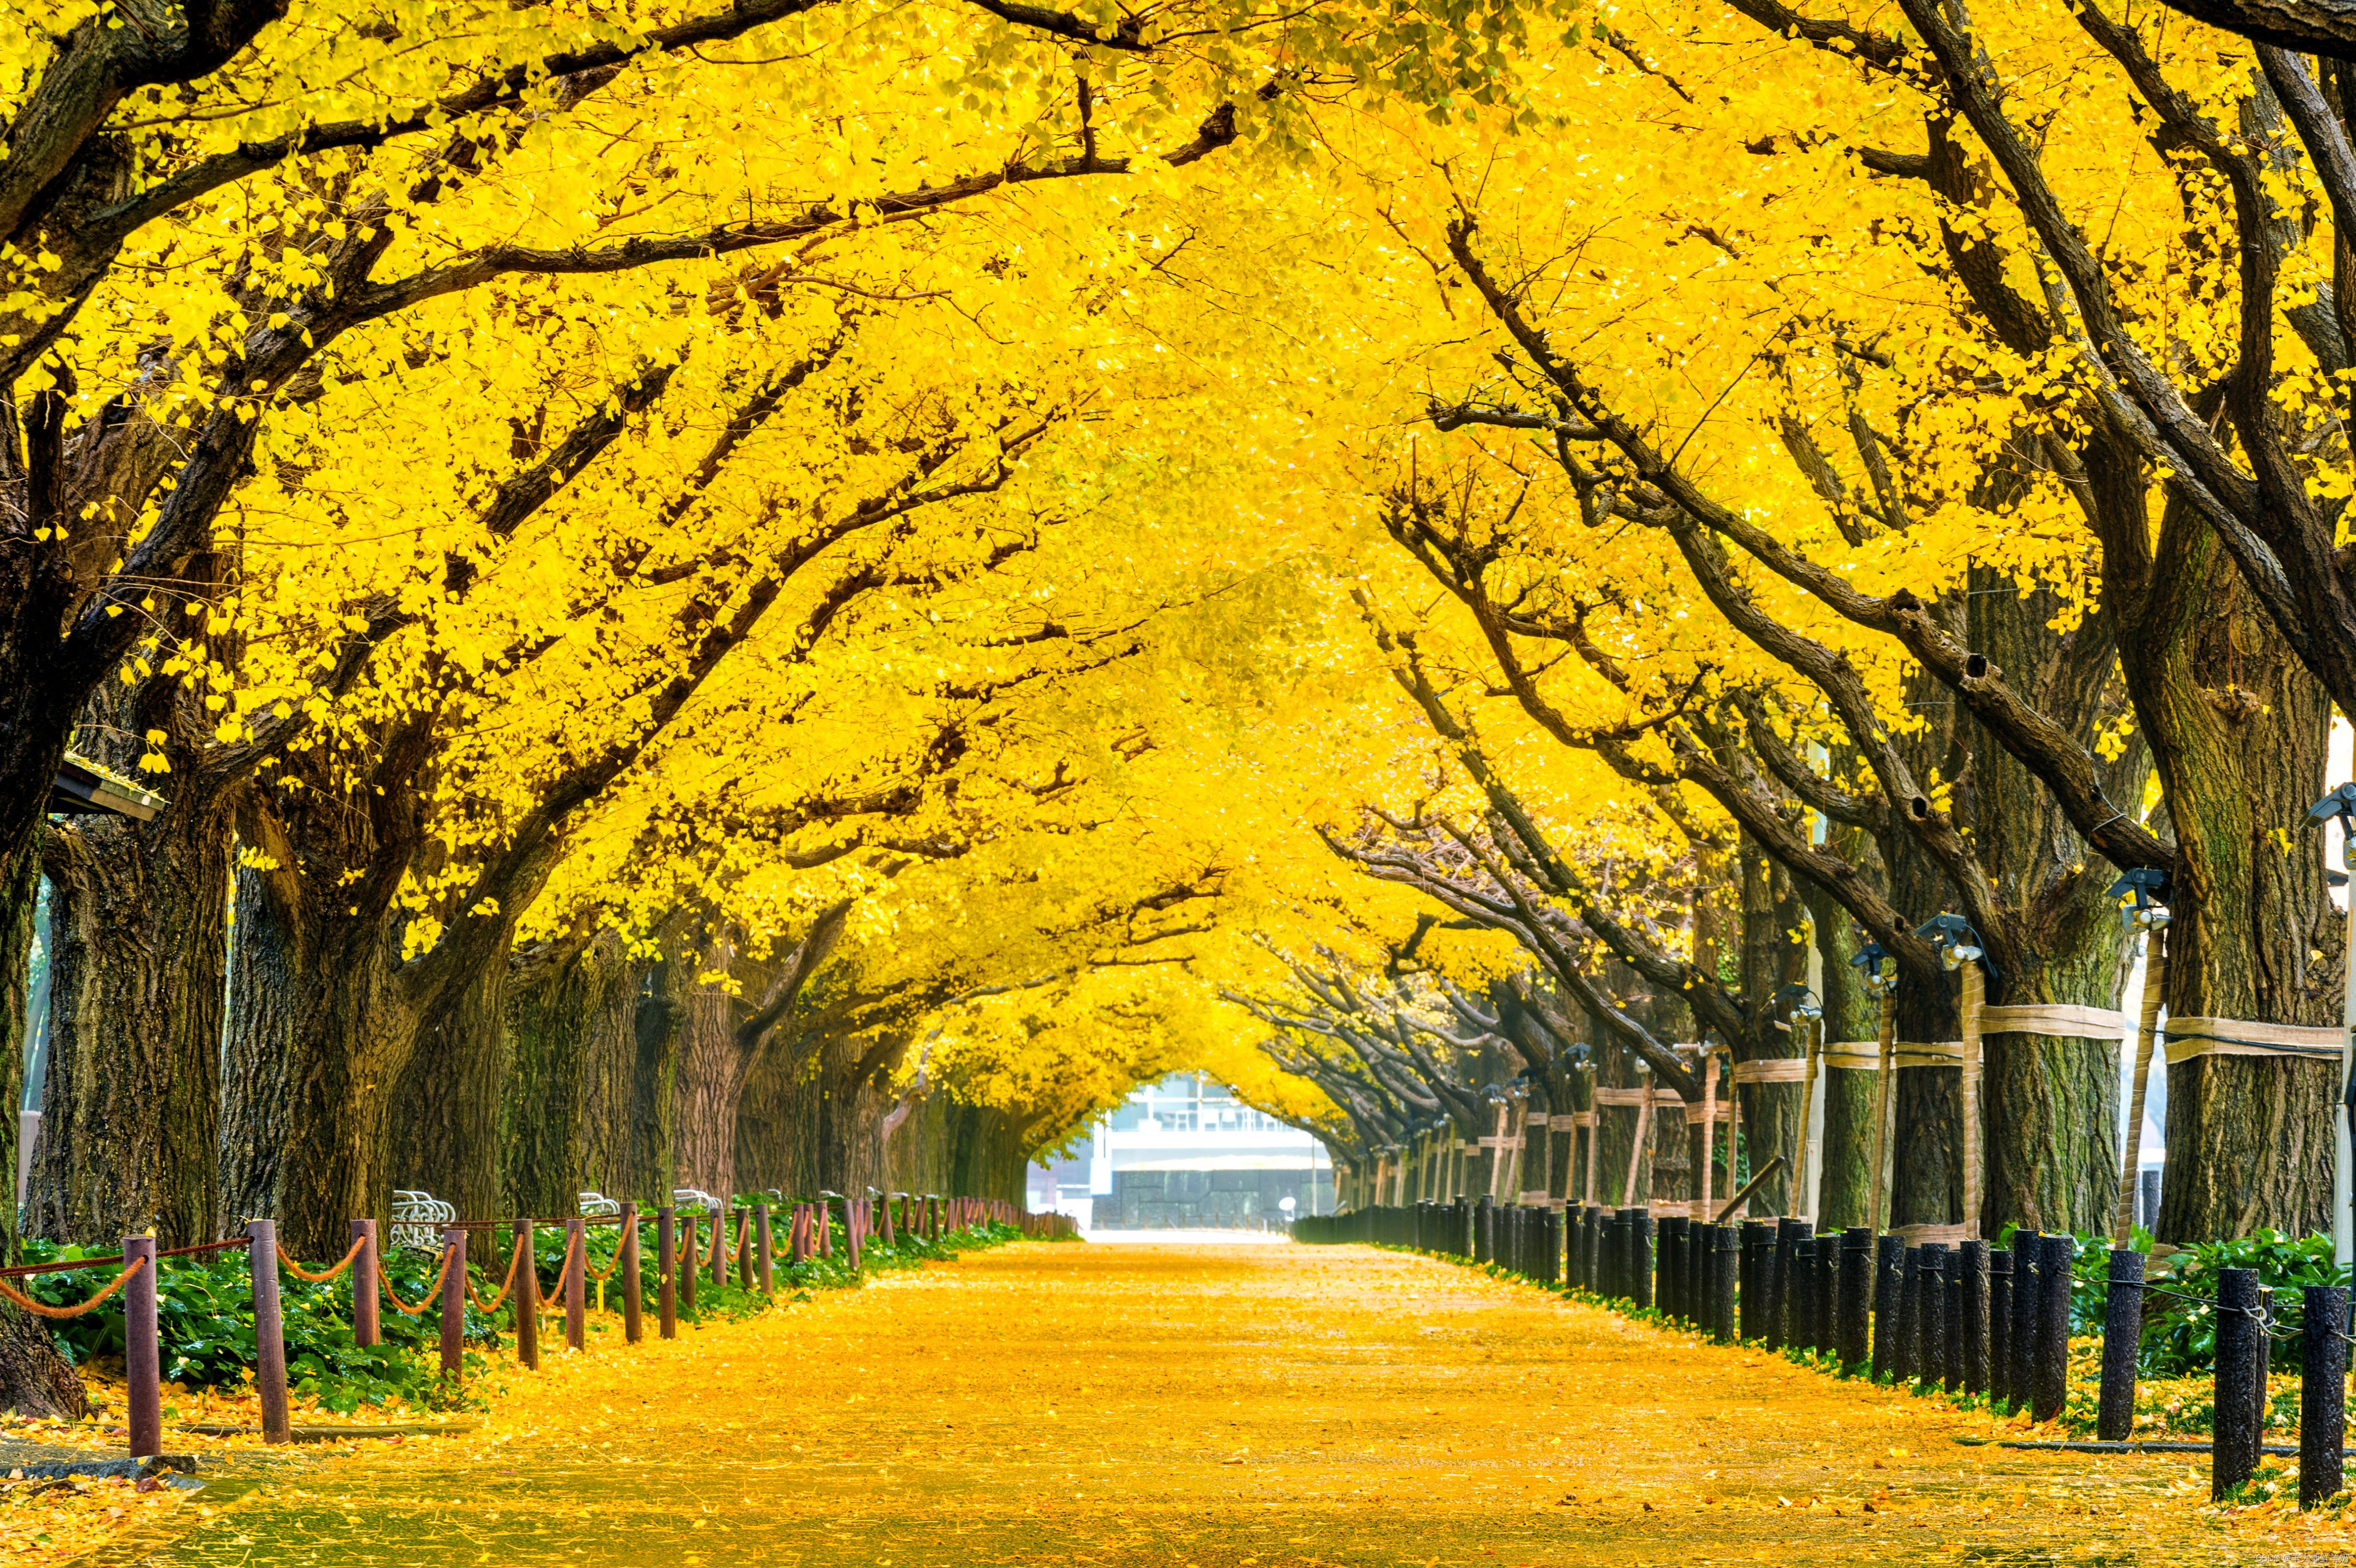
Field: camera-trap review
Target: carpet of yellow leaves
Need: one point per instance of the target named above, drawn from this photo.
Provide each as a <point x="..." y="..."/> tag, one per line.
<point x="1218" y="1408"/>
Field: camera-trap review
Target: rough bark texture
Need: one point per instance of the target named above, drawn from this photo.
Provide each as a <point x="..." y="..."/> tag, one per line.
<point x="565" y="1108"/>
<point x="1844" y="1189"/>
<point x="2049" y="1107"/>
<point x="265" y="982"/>
<point x="2239" y="730"/>
<point x="34" y="1379"/>
<point x="139" y="919"/>
<point x="448" y="1137"/>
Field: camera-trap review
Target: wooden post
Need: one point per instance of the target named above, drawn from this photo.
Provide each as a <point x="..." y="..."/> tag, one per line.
<point x="576" y="1305"/>
<point x="142" y="1355"/>
<point x="822" y="1220"/>
<point x="854" y="1216"/>
<point x="269" y="1329"/>
<point x="885" y="1214"/>
<point x="365" y="1305"/>
<point x="453" y="1307"/>
<point x="691" y="1264"/>
<point x="745" y="1259"/>
<point x="1974" y="997"/>
<point x="667" y="1272"/>
<point x="766" y="1253"/>
<point x="798" y="1241"/>
<point x="527" y="1296"/>
<point x="720" y="1245"/>
<point x="633" y="1330"/>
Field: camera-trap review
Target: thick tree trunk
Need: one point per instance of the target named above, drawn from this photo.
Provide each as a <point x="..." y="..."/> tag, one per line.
<point x="2240" y="731"/>
<point x="266" y="979"/>
<point x="654" y="1120"/>
<point x="449" y="1137"/>
<point x="130" y="1126"/>
<point x="710" y="1074"/>
<point x="565" y="1106"/>
<point x="34" y="1379"/>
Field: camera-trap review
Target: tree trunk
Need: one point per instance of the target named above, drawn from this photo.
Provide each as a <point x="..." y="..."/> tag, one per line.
<point x="656" y="1023"/>
<point x="2240" y="731"/>
<point x="566" y="1108"/>
<point x="266" y="977"/>
<point x="34" y="1379"/>
<point x="447" y="1129"/>
<point x="710" y="1073"/>
<point x="129" y="1127"/>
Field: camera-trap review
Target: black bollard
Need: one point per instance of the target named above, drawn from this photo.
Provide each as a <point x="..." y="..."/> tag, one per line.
<point x="1459" y="1234"/>
<point x="1972" y="1302"/>
<point x="1703" y="1242"/>
<point x="1643" y="1229"/>
<point x="1700" y="1247"/>
<point x="2053" y="1374"/>
<point x="1591" y="1246"/>
<point x="1620" y="1274"/>
<point x="1931" y="1316"/>
<point x="1484" y="1230"/>
<point x="1789" y="1234"/>
<point x="1551" y="1248"/>
<point x="2000" y="1326"/>
<point x="1951" y="1294"/>
<point x="1906" y="1348"/>
<point x="2122" y="1336"/>
<point x="1800" y="1292"/>
<point x="1856" y="1296"/>
<point x="1828" y="1284"/>
<point x="2028" y="1268"/>
<point x="2322" y="1391"/>
<point x="1889" y="1253"/>
<point x="1758" y="1247"/>
<point x="2241" y="1365"/>
<point x="1729" y="1242"/>
<point x="1780" y="1284"/>
<point x="1672" y="1265"/>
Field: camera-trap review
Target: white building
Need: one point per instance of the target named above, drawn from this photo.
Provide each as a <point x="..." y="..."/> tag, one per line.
<point x="1184" y="1152"/>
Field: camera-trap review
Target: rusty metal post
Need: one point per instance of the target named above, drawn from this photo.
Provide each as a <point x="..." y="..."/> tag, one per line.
<point x="527" y="1295"/>
<point x="365" y="1305"/>
<point x="269" y="1329"/>
<point x="667" y="1272"/>
<point x="765" y="1251"/>
<point x="142" y="1355"/>
<point x="633" y="1306"/>
<point x="576" y="1284"/>
<point x="453" y="1304"/>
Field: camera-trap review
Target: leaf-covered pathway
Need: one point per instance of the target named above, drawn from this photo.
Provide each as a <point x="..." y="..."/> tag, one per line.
<point x="1268" y="1405"/>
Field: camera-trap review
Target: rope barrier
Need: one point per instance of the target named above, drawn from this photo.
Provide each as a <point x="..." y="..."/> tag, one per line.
<point x="431" y="1291"/>
<point x="504" y="1285"/>
<point x="571" y="1244"/>
<point x="299" y="1272"/>
<point x="23" y="1270"/>
<point x="55" y="1314"/>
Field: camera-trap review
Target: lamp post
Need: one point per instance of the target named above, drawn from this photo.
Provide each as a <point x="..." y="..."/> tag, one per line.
<point x="1882" y="984"/>
<point x="1960" y="949"/>
<point x="2147" y="915"/>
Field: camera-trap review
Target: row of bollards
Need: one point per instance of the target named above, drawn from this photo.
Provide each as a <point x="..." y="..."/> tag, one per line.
<point x="1963" y="1318"/>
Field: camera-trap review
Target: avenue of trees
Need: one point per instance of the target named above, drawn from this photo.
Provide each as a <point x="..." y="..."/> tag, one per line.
<point x="796" y="593"/>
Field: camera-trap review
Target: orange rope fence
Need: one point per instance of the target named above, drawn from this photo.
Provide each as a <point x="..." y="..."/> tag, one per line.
<point x="43" y="1309"/>
<point x="504" y="1285"/>
<point x="299" y="1272"/>
<point x="431" y="1291"/>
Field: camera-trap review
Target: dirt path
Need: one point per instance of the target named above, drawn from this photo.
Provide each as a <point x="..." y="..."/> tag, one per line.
<point x="1075" y="1404"/>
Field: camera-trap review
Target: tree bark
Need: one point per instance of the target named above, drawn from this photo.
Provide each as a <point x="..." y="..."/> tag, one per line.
<point x="2240" y="731"/>
<point x="448" y="1133"/>
<point x="565" y="1108"/>
<point x="34" y="1379"/>
<point x="130" y="1126"/>
<point x="265" y="978"/>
